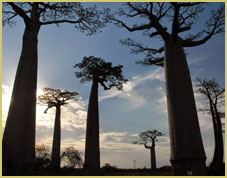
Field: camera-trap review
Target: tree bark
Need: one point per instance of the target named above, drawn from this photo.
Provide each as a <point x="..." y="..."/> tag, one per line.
<point x="56" y="147"/>
<point x="153" y="159"/>
<point x="18" y="146"/>
<point x="92" y="153"/>
<point x="187" y="152"/>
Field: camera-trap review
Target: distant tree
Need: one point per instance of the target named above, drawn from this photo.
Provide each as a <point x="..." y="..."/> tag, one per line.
<point x="148" y="139"/>
<point x="99" y="72"/>
<point x="216" y="98"/>
<point x="172" y="22"/>
<point x="42" y="156"/>
<point x="108" y="168"/>
<point x="56" y="98"/>
<point x="72" y="158"/>
<point x="18" y="145"/>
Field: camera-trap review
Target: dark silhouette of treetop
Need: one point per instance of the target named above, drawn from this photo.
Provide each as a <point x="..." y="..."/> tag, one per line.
<point x="85" y="19"/>
<point x="54" y="98"/>
<point x="181" y="15"/>
<point x="96" y="68"/>
<point x="149" y="137"/>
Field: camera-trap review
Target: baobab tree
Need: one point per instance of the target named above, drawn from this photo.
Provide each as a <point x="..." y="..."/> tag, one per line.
<point x="187" y="151"/>
<point x="56" y="98"/>
<point x="99" y="72"/>
<point x="148" y="139"/>
<point x="216" y="99"/>
<point x="18" y="145"/>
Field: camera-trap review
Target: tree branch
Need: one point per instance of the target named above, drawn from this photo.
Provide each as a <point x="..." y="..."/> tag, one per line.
<point x="20" y="12"/>
<point x="159" y="61"/>
<point x="216" y="22"/>
<point x="188" y="4"/>
<point x="138" y="47"/>
<point x="61" y="21"/>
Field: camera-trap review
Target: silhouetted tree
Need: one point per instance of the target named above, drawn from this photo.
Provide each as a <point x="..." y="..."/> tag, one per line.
<point x="72" y="158"/>
<point x="148" y="139"/>
<point x="56" y="98"/>
<point x="42" y="156"/>
<point x="171" y="21"/>
<point x="19" y="136"/>
<point x="216" y="98"/>
<point x="99" y="72"/>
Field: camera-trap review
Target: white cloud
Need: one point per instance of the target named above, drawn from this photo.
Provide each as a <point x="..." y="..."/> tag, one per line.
<point x="130" y="92"/>
<point x="115" y="146"/>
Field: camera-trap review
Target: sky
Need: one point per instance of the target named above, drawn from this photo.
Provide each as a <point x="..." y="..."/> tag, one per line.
<point x="123" y="114"/>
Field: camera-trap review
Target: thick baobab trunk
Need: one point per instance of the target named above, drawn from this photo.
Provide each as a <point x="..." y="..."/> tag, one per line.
<point x="187" y="152"/>
<point x="18" y="146"/>
<point x="153" y="159"/>
<point x="92" y="154"/>
<point x="56" y="147"/>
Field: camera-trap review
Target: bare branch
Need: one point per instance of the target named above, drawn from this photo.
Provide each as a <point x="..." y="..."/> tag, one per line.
<point x="188" y="4"/>
<point x="61" y="21"/>
<point x="159" y="61"/>
<point x="20" y="12"/>
<point x="216" y="23"/>
<point x="138" y="47"/>
<point x="131" y="29"/>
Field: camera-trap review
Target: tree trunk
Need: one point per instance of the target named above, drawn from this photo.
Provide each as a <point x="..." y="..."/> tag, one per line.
<point x="217" y="162"/>
<point x="56" y="147"/>
<point x="153" y="159"/>
<point x="92" y="154"/>
<point x="187" y="152"/>
<point x="18" y="146"/>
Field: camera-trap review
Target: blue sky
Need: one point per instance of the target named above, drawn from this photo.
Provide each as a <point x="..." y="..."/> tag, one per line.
<point x="140" y="106"/>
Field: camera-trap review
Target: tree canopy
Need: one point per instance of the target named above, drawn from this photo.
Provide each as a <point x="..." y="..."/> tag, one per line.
<point x="85" y="18"/>
<point x="181" y="18"/>
<point x="148" y="138"/>
<point x="72" y="157"/>
<point x="96" y="68"/>
<point x="42" y="155"/>
<point x="53" y="98"/>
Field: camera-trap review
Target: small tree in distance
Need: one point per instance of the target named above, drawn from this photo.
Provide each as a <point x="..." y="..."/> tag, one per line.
<point x="148" y="139"/>
<point x="216" y="99"/>
<point x="72" y="158"/>
<point x="42" y="155"/>
<point x="56" y="98"/>
<point x="99" y="72"/>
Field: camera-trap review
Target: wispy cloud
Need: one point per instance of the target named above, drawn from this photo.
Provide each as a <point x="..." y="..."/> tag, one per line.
<point x="130" y="92"/>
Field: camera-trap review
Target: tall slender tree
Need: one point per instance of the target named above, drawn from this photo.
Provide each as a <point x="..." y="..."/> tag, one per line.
<point x="99" y="72"/>
<point x="172" y="21"/>
<point x="216" y="98"/>
<point x="148" y="139"/>
<point x="56" y="98"/>
<point x="18" y="145"/>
